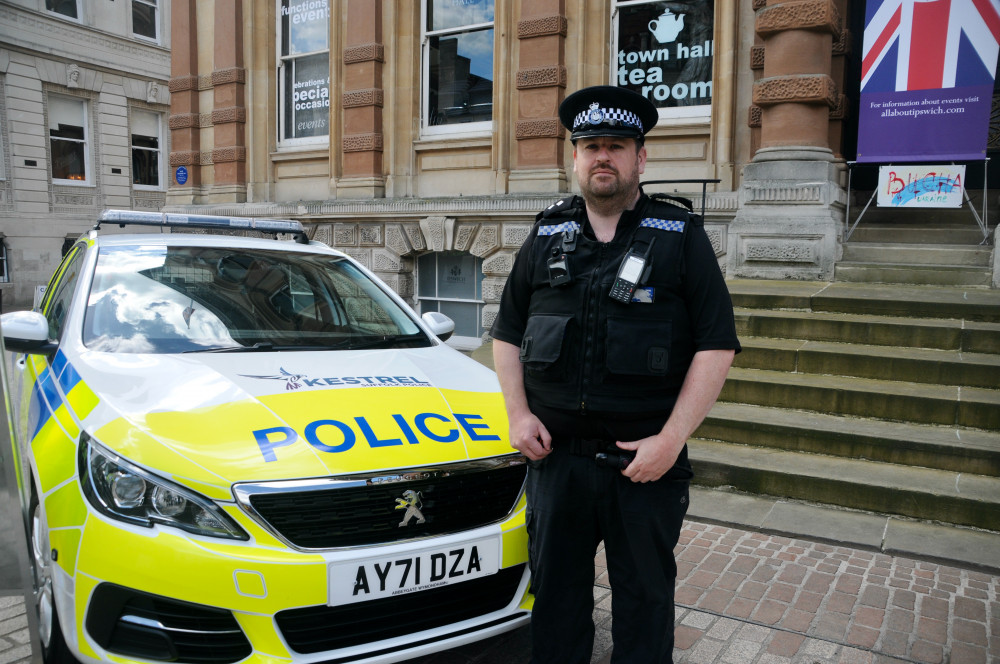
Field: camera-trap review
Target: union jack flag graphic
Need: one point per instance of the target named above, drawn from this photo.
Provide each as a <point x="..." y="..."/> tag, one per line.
<point x="927" y="44"/>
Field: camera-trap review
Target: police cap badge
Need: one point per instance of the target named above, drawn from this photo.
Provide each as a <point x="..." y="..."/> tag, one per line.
<point x="607" y="110"/>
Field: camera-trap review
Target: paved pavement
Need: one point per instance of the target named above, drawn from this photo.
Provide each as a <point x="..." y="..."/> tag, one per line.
<point x="748" y="597"/>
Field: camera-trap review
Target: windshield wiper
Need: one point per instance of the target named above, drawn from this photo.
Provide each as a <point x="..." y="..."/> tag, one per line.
<point x="262" y="346"/>
<point x="383" y="341"/>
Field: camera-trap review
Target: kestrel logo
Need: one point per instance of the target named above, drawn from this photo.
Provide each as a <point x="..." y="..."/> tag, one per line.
<point x="411" y="502"/>
<point x="291" y="379"/>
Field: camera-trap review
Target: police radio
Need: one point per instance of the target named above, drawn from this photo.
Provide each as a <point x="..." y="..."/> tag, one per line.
<point x="631" y="272"/>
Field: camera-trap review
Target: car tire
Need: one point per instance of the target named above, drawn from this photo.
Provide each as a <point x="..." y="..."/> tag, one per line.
<point x="50" y="636"/>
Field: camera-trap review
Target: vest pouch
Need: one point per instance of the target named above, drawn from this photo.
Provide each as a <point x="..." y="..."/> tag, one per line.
<point x="542" y="345"/>
<point x="637" y="350"/>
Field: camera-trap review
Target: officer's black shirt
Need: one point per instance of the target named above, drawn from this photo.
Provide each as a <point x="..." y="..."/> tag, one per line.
<point x="595" y="367"/>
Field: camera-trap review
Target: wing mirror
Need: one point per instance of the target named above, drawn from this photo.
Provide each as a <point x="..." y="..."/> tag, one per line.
<point x="442" y="326"/>
<point x="26" y="332"/>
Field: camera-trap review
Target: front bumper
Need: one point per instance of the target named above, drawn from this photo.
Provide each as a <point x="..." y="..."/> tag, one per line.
<point x="163" y="595"/>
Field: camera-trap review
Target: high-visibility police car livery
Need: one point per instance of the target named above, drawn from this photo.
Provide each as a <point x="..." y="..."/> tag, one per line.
<point x="251" y="450"/>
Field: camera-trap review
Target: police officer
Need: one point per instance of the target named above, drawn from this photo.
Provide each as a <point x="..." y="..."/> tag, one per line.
<point x="614" y="337"/>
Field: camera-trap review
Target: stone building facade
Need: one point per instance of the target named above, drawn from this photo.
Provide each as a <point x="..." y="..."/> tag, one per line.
<point x="422" y="137"/>
<point x="84" y="109"/>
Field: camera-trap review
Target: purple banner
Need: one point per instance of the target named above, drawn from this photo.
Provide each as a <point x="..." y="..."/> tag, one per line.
<point x="927" y="79"/>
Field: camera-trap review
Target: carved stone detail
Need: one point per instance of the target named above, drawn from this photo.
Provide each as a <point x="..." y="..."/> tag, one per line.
<point x="756" y="57"/>
<point x="229" y="75"/>
<point x="433" y="229"/>
<point x="384" y="260"/>
<point x="842" y="109"/>
<point x="807" y="88"/>
<point x="754" y="117"/>
<point x="229" y="153"/>
<point x="759" y="4"/>
<point x="499" y="263"/>
<point x="186" y="158"/>
<point x="779" y="251"/>
<point x="229" y="114"/>
<point x="542" y="26"/>
<point x="809" y="194"/>
<point x="323" y="233"/>
<point x="493" y="288"/>
<point x="371" y="234"/>
<point x="363" y="142"/>
<point x="819" y="15"/>
<point x="182" y="84"/>
<point x="361" y="98"/>
<point x="487" y="240"/>
<point x="152" y="92"/>
<point x="363" y="256"/>
<point x="184" y="121"/>
<point x="415" y="236"/>
<point x="463" y="236"/>
<point x="395" y="239"/>
<point x="345" y="235"/>
<point x="514" y="235"/>
<point x="541" y="128"/>
<point x="842" y="45"/>
<point x="541" y="77"/>
<point x="373" y="52"/>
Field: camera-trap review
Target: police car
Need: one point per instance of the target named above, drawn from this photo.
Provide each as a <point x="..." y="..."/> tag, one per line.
<point x="251" y="450"/>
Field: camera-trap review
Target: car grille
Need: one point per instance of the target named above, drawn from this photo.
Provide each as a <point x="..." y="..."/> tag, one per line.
<point x="360" y="511"/>
<point x="321" y="628"/>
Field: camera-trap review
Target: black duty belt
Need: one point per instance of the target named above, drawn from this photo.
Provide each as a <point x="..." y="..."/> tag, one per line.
<point x="605" y="452"/>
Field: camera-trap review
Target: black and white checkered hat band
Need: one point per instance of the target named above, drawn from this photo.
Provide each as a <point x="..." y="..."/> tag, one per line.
<point x="593" y="117"/>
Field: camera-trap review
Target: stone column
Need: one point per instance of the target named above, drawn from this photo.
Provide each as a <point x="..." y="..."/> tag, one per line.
<point x="541" y="83"/>
<point x="229" y="113"/>
<point x="185" y="139"/>
<point x="363" y="98"/>
<point x="791" y="201"/>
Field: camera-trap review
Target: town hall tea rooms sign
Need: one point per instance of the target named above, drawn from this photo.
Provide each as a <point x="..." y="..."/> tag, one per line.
<point x="664" y="52"/>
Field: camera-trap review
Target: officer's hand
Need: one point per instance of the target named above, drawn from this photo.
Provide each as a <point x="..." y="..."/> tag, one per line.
<point x="654" y="456"/>
<point x="530" y="437"/>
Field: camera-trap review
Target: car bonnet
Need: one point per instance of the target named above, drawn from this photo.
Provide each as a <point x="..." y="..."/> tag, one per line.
<point x="210" y="420"/>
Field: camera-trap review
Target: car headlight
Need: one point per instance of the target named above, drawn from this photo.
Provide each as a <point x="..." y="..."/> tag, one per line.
<point x="124" y="491"/>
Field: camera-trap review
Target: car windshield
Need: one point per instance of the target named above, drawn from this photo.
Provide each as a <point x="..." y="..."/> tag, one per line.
<point x="174" y="299"/>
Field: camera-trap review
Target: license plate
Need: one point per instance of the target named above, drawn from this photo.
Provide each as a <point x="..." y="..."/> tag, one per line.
<point x="388" y="576"/>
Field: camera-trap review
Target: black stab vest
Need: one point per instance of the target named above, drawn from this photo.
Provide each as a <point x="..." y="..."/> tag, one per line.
<point x="584" y="351"/>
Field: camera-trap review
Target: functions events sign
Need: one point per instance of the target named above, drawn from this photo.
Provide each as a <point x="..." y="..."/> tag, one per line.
<point x="927" y="79"/>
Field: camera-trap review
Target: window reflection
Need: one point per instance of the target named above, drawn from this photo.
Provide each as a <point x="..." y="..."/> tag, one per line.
<point x="179" y="299"/>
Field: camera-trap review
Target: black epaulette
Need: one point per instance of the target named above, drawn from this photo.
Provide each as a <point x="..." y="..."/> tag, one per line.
<point x="565" y="207"/>
<point x="678" y="202"/>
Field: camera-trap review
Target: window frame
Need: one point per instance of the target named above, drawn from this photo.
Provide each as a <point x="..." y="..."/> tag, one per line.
<point x="456" y="340"/>
<point x="284" y="69"/>
<point x="461" y="129"/>
<point x="159" y="151"/>
<point x="701" y="113"/>
<point x="76" y="19"/>
<point x="84" y="102"/>
<point x="156" y="20"/>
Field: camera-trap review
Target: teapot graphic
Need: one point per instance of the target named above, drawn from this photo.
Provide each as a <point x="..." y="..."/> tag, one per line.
<point x="667" y="26"/>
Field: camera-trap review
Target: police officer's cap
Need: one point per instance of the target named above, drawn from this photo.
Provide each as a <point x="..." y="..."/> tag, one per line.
<point x="607" y="110"/>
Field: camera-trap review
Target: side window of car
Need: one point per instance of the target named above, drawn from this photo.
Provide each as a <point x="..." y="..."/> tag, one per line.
<point x="60" y="295"/>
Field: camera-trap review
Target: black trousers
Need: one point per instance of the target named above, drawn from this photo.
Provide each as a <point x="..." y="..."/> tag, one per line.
<point x="573" y="504"/>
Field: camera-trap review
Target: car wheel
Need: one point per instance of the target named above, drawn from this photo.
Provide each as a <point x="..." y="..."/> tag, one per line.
<point x="54" y="649"/>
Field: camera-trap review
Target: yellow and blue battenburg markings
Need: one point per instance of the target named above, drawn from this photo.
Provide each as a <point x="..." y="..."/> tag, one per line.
<point x="46" y="400"/>
<point x="663" y="224"/>
<point x="559" y="228"/>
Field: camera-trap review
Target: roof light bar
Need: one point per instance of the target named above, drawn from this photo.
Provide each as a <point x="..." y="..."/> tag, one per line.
<point x="172" y="219"/>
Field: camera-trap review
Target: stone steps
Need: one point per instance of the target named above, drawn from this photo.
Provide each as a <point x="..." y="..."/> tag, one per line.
<point x="867" y="397"/>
